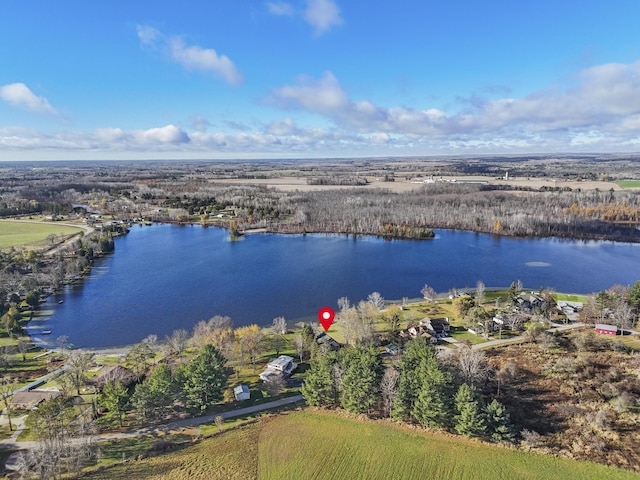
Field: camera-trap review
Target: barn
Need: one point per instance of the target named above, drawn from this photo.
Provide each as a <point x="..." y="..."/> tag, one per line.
<point x="606" y="329"/>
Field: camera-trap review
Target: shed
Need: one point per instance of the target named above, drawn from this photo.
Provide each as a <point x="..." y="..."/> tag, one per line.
<point x="606" y="329"/>
<point x="242" y="392"/>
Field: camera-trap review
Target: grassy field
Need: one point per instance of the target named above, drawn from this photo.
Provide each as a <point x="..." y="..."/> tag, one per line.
<point x="13" y="234"/>
<point x="628" y="183"/>
<point x="320" y="445"/>
<point x="567" y="297"/>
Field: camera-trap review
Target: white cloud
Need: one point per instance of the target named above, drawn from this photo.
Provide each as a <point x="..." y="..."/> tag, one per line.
<point x="604" y="98"/>
<point x="147" y="34"/>
<point x="20" y="96"/>
<point x="280" y="8"/>
<point x="322" y="15"/>
<point x="191" y="57"/>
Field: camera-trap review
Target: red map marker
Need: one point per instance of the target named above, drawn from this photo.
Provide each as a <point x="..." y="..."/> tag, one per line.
<point x="326" y="316"/>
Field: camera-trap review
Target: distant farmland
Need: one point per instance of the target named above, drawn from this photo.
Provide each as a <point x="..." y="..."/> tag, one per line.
<point x="13" y="234"/>
<point x="628" y="183"/>
<point x="321" y="445"/>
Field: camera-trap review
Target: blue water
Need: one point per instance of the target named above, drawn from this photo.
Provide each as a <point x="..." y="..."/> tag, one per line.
<point x="165" y="277"/>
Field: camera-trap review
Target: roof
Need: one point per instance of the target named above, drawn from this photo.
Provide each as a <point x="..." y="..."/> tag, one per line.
<point x="32" y="398"/>
<point x="604" y="326"/>
<point x="112" y="373"/>
<point x="241" y="389"/>
<point x="281" y="362"/>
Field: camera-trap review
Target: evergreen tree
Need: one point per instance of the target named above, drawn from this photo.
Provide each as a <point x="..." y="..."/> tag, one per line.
<point x="410" y="382"/>
<point x="205" y="378"/>
<point x="469" y="421"/>
<point x="498" y="422"/>
<point x="431" y="406"/>
<point x="360" y="379"/>
<point x="319" y="387"/>
<point x="424" y="386"/>
<point x="115" y="398"/>
<point x="156" y="393"/>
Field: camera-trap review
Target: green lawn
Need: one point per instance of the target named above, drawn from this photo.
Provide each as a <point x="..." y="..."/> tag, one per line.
<point x="14" y="233"/>
<point x="628" y="183"/>
<point x="320" y="445"/>
<point x="568" y="297"/>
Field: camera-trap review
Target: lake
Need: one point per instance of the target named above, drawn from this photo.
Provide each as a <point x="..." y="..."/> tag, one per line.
<point x="165" y="277"/>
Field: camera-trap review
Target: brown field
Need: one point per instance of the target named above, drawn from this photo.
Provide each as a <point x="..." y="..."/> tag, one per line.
<point x="291" y="183"/>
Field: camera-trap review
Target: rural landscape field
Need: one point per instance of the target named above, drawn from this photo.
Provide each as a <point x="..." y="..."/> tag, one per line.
<point x="320" y="239"/>
<point x="320" y="445"/>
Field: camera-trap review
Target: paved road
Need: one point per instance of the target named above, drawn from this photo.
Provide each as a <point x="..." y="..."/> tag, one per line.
<point x="12" y="443"/>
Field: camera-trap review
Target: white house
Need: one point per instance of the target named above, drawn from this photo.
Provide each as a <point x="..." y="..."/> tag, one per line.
<point x="283" y="366"/>
<point x="242" y="392"/>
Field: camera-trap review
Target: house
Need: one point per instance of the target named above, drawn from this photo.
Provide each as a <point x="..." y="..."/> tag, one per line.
<point x="606" y="329"/>
<point x="282" y="366"/>
<point x="527" y="302"/>
<point x="419" y="331"/>
<point x="112" y="374"/>
<point x="30" y="399"/>
<point x="326" y="341"/>
<point x="241" y="392"/>
<point x="436" y="327"/>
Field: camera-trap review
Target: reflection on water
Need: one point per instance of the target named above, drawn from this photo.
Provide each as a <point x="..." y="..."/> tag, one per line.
<point x="166" y="277"/>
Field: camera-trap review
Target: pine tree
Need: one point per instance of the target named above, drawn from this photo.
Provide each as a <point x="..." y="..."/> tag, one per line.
<point x="115" y="399"/>
<point x="469" y="421"/>
<point x="410" y="382"/>
<point x="205" y="379"/>
<point x="431" y="406"/>
<point x="319" y="386"/>
<point x="499" y="424"/>
<point x="360" y="379"/>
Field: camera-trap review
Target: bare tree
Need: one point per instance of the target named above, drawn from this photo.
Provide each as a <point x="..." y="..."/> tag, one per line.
<point x="344" y="304"/>
<point x="300" y="345"/>
<point x="152" y="341"/>
<point x="388" y="389"/>
<point x="428" y="293"/>
<point x="280" y="325"/>
<point x="472" y="366"/>
<point x="177" y="341"/>
<point x="507" y="373"/>
<point x="7" y="386"/>
<point x="219" y="421"/>
<point x="251" y="338"/>
<point x="376" y="300"/>
<point x="78" y="364"/>
<point x="480" y="289"/>
<point x="23" y="348"/>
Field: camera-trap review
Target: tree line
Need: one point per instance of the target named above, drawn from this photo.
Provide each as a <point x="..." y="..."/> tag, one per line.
<point x="419" y="388"/>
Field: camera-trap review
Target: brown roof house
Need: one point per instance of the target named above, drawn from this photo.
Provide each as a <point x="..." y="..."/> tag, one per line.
<point x="112" y="374"/>
<point x="30" y="399"/>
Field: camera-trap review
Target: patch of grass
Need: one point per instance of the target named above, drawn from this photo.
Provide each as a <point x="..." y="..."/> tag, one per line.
<point x="233" y="455"/>
<point x="570" y="297"/>
<point x="324" y="445"/>
<point x="13" y="233"/>
<point x="628" y="183"/>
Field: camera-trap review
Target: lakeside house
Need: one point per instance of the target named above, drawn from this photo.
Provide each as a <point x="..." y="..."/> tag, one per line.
<point x="327" y="342"/>
<point x="282" y="366"/>
<point x="527" y="302"/>
<point x="112" y="374"/>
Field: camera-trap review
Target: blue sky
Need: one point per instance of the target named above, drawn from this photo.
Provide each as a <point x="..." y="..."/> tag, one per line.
<point x="316" y="78"/>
